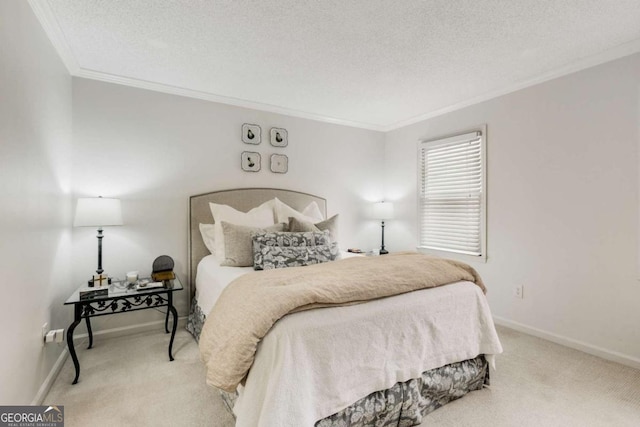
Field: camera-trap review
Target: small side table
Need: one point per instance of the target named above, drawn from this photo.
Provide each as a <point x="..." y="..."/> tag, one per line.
<point x="121" y="298"/>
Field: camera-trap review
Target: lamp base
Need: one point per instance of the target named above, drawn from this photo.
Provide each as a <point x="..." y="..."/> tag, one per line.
<point x="383" y="251"/>
<point x="99" y="280"/>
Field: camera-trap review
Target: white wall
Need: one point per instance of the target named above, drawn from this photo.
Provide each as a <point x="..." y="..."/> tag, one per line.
<point x="35" y="213"/>
<point x="154" y="150"/>
<point x="562" y="202"/>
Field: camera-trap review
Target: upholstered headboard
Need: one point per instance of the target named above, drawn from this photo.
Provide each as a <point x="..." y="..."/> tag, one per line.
<point x="242" y="199"/>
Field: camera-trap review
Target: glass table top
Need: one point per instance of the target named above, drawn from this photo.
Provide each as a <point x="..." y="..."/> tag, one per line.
<point x="119" y="289"/>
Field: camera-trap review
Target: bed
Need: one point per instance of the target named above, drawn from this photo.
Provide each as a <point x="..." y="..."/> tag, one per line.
<point x="388" y="361"/>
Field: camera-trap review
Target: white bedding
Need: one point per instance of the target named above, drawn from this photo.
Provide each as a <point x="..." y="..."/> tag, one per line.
<point x="315" y="363"/>
<point x="212" y="278"/>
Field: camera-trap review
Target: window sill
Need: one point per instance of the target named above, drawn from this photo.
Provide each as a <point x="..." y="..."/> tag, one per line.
<point x="454" y="255"/>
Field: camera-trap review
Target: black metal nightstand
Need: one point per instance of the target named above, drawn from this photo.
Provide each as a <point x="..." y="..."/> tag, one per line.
<point x="121" y="298"/>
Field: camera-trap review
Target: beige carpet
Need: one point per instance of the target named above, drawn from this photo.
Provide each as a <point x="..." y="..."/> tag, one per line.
<point x="128" y="381"/>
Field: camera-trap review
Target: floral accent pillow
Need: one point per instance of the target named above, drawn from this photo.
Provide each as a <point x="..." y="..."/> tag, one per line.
<point x="279" y="238"/>
<point x="282" y="250"/>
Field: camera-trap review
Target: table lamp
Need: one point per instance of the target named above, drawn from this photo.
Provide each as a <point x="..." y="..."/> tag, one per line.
<point x="98" y="212"/>
<point x="382" y="211"/>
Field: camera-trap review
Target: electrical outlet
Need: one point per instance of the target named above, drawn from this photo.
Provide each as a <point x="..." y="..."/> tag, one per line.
<point x="518" y="291"/>
<point x="59" y="335"/>
<point x="45" y="329"/>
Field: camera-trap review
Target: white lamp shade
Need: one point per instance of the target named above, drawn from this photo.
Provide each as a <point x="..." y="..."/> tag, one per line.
<point x="97" y="212"/>
<point x="383" y="210"/>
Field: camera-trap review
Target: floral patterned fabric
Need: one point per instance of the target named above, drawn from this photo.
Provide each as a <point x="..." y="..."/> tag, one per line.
<point x="284" y="238"/>
<point x="196" y="319"/>
<point x="281" y="249"/>
<point x="406" y="404"/>
<point x="229" y="400"/>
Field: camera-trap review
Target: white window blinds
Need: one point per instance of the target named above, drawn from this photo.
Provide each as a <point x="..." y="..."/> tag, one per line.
<point x="452" y="194"/>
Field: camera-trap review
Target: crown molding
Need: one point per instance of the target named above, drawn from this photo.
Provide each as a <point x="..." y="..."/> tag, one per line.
<point x="617" y="52"/>
<point x="190" y="93"/>
<point x="47" y="18"/>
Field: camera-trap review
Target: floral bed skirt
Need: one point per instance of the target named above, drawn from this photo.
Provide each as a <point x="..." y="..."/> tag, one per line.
<point x="196" y="319"/>
<point x="404" y="404"/>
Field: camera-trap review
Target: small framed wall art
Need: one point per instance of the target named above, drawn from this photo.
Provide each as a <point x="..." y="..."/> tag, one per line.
<point x="279" y="163"/>
<point x="279" y="137"/>
<point x="251" y="134"/>
<point x="250" y="161"/>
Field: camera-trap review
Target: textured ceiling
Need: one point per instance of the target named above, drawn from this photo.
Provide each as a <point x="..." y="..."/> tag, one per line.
<point x="370" y="63"/>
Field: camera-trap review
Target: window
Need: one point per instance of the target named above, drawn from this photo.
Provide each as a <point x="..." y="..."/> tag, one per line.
<point x="452" y="198"/>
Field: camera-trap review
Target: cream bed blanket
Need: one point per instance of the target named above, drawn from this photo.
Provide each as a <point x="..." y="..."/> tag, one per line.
<point x="315" y="363"/>
<point x="250" y="305"/>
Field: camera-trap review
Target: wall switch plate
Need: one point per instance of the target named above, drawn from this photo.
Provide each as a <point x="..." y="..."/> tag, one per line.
<point x="518" y="291"/>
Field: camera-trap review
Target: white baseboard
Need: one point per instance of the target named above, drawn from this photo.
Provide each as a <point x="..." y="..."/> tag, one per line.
<point x="107" y="333"/>
<point x="48" y="382"/>
<point x="614" y="356"/>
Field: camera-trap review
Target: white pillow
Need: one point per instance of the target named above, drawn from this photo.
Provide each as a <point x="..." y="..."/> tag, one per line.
<point x="261" y="217"/>
<point x="283" y="211"/>
<point x="313" y="211"/>
<point x="208" y="237"/>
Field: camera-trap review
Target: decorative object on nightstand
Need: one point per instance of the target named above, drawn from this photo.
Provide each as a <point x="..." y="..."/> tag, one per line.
<point x="90" y="293"/>
<point x="163" y="269"/>
<point x="98" y="212"/>
<point x="382" y="211"/>
<point x="132" y="277"/>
